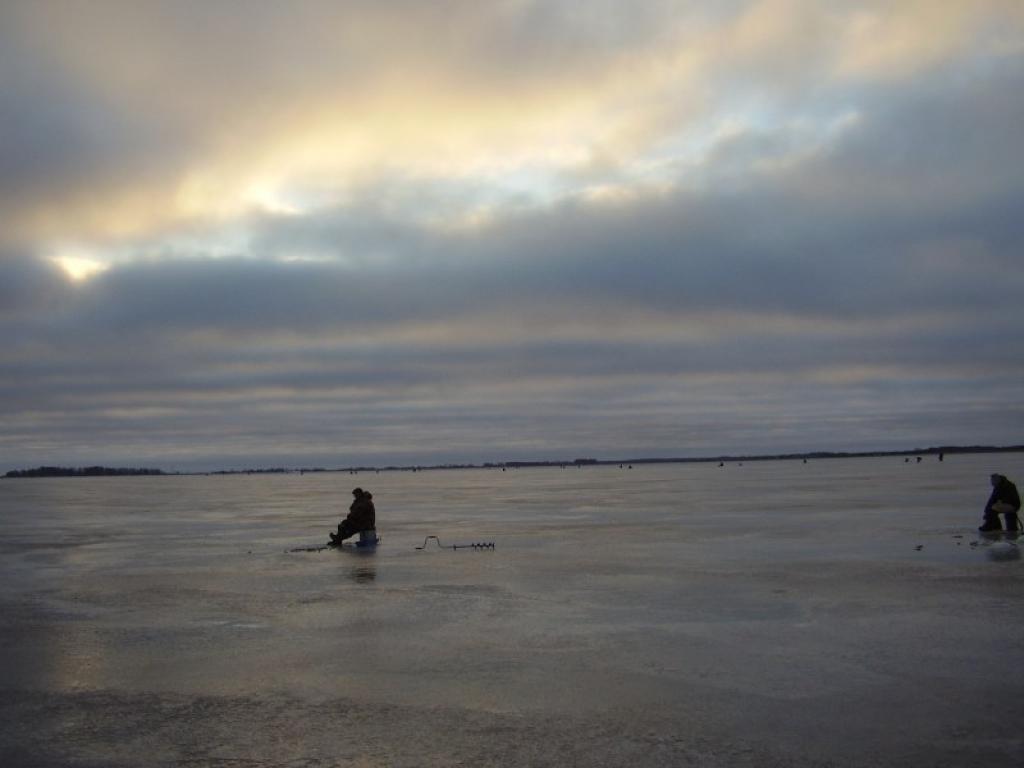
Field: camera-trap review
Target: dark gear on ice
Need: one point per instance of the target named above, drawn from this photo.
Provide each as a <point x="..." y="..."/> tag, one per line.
<point x="1004" y="501"/>
<point x="361" y="517"/>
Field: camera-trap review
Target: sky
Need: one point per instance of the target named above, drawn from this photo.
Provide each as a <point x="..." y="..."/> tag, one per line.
<point x="265" y="234"/>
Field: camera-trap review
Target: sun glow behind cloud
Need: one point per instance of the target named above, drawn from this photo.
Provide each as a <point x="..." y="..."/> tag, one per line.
<point x="603" y="110"/>
<point x="80" y="268"/>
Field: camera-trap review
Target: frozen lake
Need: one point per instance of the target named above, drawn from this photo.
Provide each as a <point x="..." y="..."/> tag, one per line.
<point x="840" y="612"/>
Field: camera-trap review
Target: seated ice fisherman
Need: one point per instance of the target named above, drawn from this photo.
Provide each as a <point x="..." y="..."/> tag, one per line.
<point x="361" y="517"/>
<point x="1004" y="501"/>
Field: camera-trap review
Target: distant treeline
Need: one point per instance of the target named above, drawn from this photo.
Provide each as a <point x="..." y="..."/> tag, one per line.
<point x="82" y="472"/>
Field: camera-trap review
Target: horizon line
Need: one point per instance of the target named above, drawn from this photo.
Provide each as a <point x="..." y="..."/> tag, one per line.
<point x="98" y="470"/>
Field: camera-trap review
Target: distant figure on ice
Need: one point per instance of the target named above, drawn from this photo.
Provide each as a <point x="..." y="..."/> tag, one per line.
<point x="361" y="517"/>
<point x="1004" y="501"/>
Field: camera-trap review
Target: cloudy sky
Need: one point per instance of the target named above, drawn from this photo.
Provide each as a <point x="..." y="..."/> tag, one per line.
<point x="254" y="233"/>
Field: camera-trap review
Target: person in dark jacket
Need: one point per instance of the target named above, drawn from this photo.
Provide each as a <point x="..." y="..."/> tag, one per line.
<point x="1004" y="501"/>
<point x="361" y="517"/>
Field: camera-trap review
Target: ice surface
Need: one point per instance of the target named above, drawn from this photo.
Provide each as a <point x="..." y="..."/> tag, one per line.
<point x="839" y="612"/>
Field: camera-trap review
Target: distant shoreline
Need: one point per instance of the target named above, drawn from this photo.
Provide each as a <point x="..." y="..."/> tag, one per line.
<point x="98" y="471"/>
<point x="83" y="472"/>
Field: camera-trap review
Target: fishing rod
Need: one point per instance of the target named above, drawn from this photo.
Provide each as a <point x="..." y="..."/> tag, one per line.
<point x="479" y="545"/>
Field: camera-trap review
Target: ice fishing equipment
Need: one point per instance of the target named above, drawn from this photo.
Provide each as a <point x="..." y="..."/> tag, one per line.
<point x="474" y="545"/>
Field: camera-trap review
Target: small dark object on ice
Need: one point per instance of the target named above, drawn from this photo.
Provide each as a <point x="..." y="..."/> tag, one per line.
<point x="919" y="547"/>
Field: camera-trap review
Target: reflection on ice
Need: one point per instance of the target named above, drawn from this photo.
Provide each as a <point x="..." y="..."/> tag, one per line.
<point x="363" y="574"/>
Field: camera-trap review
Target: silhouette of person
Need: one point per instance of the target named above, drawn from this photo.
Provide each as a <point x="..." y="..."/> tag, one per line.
<point x="1004" y="501"/>
<point x="361" y="517"/>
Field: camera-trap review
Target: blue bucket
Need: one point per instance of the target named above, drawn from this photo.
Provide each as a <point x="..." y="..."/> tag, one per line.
<point x="368" y="538"/>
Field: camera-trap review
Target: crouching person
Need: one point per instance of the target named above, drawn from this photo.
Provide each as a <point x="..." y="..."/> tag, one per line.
<point x="361" y="517"/>
<point x="1004" y="501"/>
